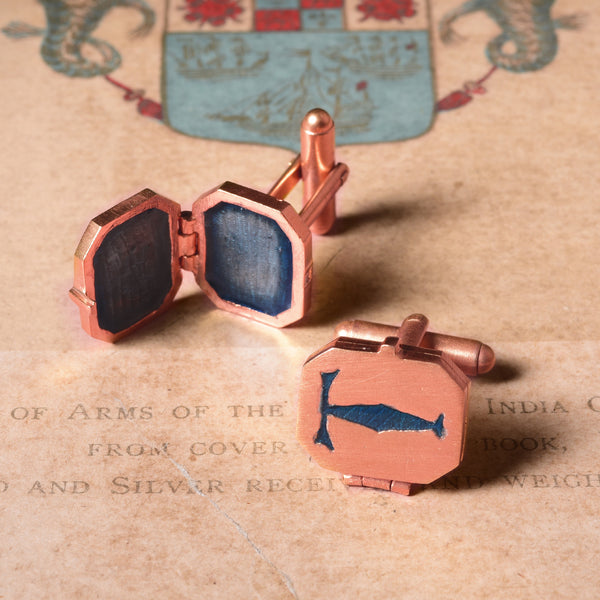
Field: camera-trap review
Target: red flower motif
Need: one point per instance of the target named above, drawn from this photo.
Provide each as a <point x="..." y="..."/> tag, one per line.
<point x="387" y="10"/>
<point x="214" y="12"/>
<point x="361" y="85"/>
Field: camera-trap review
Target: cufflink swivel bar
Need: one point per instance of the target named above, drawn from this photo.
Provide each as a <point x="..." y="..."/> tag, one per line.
<point x="316" y="166"/>
<point x="471" y="356"/>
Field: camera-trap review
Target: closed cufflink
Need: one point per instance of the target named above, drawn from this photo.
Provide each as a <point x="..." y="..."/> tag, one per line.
<point x="250" y="252"/>
<point x="387" y="406"/>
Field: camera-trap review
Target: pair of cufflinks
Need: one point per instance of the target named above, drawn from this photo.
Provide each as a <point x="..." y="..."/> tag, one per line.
<point x="385" y="406"/>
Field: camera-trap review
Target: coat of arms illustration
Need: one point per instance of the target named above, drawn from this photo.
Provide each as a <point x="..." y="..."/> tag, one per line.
<point x="247" y="70"/>
<point x="243" y="70"/>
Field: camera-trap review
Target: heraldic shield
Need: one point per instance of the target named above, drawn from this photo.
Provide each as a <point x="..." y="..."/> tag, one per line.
<point x="247" y="71"/>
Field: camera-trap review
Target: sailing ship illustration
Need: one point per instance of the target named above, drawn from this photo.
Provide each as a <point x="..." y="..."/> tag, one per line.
<point x="274" y="112"/>
<point x="382" y="57"/>
<point x="210" y="60"/>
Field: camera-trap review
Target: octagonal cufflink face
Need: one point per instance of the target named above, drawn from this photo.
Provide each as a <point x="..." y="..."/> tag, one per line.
<point x="384" y="412"/>
<point x="126" y="270"/>
<point x="254" y="254"/>
<point x="387" y="406"/>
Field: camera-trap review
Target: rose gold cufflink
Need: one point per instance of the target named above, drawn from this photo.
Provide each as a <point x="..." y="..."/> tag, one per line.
<point x="250" y="252"/>
<point x="387" y="406"/>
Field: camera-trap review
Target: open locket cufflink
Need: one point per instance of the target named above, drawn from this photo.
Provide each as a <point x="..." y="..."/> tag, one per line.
<point x="250" y="252"/>
<point x="387" y="406"/>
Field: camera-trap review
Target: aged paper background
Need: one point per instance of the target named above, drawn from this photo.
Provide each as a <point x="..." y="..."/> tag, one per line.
<point x="488" y="224"/>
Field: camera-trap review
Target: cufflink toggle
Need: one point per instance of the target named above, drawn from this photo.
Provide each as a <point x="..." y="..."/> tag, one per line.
<point x="387" y="406"/>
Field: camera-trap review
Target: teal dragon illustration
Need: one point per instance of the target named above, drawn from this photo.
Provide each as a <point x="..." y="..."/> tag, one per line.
<point x="528" y="40"/>
<point x="70" y="24"/>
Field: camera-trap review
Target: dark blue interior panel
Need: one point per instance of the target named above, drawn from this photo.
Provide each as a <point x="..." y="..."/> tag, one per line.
<point x="132" y="270"/>
<point x="248" y="259"/>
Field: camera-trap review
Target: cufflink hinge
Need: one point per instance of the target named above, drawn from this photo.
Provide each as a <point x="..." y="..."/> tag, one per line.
<point x="80" y="298"/>
<point x="188" y="240"/>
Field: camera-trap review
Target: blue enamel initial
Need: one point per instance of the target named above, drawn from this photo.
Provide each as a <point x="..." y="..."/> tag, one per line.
<point x="378" y="417"/>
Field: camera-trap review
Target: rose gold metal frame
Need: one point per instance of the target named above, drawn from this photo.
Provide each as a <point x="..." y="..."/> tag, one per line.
<point x="83" y="292"/>
<point x="293" y="227"/>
